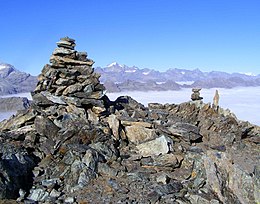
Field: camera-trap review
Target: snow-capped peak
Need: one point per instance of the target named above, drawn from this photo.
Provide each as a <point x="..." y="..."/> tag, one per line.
<point x="146" y="73"/>
<point x="248" y="73"/>
<point x="2" y="66"/>
<point x="114" y="64"/>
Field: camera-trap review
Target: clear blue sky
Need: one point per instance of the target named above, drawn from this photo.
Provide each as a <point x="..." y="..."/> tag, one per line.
<point x="210" y="35"/>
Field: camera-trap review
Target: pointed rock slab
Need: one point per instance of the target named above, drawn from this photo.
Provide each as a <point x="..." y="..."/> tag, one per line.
<point x="90" y="159"/>
<point x="160" y="145"/>
<point x="52" y="98"/>
<point x="114" y="123"/>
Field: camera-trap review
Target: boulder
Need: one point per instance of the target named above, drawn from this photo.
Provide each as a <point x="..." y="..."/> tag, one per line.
<point x="137" y="133"/>
<point x="160" y="145"/>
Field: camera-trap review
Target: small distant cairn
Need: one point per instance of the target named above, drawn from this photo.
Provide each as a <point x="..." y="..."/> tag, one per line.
<point x="195" y="96"/>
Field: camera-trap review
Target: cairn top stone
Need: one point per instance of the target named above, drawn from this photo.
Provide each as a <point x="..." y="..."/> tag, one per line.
<point x="68" y="39"/>
<point x="196" y="89"/>
<point x="66" y="42"/>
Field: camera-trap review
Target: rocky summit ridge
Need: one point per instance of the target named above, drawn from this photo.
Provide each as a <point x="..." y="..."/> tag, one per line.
<point x="74" y="145"/>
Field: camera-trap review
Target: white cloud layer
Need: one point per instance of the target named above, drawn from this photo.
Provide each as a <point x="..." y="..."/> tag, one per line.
<point x="243" y="101"/>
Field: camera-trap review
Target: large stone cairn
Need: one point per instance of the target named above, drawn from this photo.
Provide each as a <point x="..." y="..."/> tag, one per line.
<point x="69" y="79"/>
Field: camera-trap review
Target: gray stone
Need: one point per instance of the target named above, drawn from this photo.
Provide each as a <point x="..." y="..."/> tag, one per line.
<point x="162" y="178"/>
<point x="90" y="159"/>
<point x="45" y="127"/>
<point x="105" y="169"/>
<point x="72" y="89"/>
<point x="38" y="195"/>
<point x="49" y="182"/>
<point x="160" y="145"/>
<point x="41" y="100"/>
<point x="82" y="56"/>
<point x="63" y="51"/>
<point x="114" y="125"/>
<point x="138" y="132"/>
<point x="65" y="43"/>
<point x="54" y="193"/>
<point x="69" y="200"/>
<point x="65" y="61"/>
<point x="64" y="82"/>
<point x="53" y="99"/>
<point x="88" y="89"/>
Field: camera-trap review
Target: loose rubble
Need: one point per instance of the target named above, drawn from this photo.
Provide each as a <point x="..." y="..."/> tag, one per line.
<point x="74" y="145"/>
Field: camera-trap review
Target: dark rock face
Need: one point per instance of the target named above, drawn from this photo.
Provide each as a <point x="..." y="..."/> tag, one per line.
<point x="74" y="145"/>
<point x="16" y="170"/>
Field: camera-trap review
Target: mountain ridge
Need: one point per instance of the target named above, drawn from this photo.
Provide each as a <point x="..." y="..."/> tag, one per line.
<point x="117" y="77"/>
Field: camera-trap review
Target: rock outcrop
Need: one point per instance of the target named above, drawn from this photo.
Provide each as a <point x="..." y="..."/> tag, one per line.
<point x="74" y="145"/>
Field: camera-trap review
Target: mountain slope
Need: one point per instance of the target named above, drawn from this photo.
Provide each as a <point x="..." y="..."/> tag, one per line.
<point x="13" y="81"/>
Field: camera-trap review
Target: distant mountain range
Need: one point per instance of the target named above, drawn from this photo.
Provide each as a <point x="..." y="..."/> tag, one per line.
<point x="13" y="81"/>
<point x="117" y="78"/>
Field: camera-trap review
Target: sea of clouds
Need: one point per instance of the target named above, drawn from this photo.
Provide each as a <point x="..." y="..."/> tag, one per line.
<point x="243" y="101"/>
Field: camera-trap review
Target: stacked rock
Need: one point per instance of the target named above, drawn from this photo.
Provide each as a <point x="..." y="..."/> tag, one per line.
<point x="69" y="79"/>
<point x="195" y="96"/>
